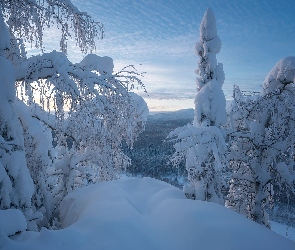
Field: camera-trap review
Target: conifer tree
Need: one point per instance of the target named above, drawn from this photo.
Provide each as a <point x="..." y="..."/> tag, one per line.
<point x="203" y="145"/>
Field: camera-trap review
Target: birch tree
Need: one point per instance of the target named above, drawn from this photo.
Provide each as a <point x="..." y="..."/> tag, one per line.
<point x="262" y="145"/>
<point x="86" y="102"/>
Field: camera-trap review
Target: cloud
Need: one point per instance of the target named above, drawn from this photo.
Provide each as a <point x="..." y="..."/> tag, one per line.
<point x="168" y="104"/>
<point x="159" y="36"/>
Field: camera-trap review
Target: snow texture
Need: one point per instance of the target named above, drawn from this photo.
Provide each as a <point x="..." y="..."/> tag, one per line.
<point x="207" y="48"/>
<point x="142" y="110"/>
<point x="104" y="65"/>
<point x="4" y="41"/>
<point x="15" y="181"/>
<point x="282" y="74"/>
<point x="7" y="92"/>
<point x="210" y="100"/>
<point x="210" y="103"/>
<point x="262" y="146"/>
<point x="11" y="222"/>
<point x="145" y="213"/>
<point x="202" y="144"/>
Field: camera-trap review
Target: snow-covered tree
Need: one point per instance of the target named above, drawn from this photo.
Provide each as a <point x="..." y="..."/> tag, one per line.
<point x="207" y="48"/>
<point x="210" y="100"/>
<point x="100" y="108"/>
<point x="262" y="143"/>
<point x="16" y="184"/>
<point x="28" y="19"/>
<point x="204" y="151"/>
<point x="84" y="102"/>
<point x="203" y="145"/>
<point x="39" y="154"/>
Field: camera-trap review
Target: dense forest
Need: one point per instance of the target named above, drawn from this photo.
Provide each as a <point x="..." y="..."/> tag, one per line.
<point x="151" y="153"/>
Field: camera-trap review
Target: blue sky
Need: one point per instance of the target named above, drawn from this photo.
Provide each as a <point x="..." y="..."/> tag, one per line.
<point x="158" y="37"/>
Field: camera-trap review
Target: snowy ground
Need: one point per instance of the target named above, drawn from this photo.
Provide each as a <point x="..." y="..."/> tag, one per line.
<point x="284" y="230"/>
<point x="143" y="213"/>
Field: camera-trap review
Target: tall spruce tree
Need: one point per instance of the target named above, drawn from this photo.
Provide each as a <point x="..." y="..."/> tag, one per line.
<point x="202" y="144"/>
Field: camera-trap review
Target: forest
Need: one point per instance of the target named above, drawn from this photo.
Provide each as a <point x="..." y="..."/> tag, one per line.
<point x="77" y="143"/>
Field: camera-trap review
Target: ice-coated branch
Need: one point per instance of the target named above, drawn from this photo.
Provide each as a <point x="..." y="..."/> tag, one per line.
<point x="27" y="19"/>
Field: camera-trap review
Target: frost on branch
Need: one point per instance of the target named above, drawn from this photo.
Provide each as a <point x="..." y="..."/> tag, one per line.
<point x="262" y="144"/>
<point x="104" y="65"/>
<point x="100" y="108"/>
<point x="210" y="106"/>
<point x="15" y="181"/>
<point x="84" y="110"/>
<point x="28" y="19"/>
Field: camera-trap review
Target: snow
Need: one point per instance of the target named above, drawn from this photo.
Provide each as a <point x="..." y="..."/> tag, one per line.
<point x="210" y="102"/>
<point x="104" y="65"/>
<point x="6" y="81"/>
<point x="144" y="213"/>
<point x="4" y="41"/>
<point x="281" y="229"/>
<point x="16" y="184"/>
<point x="11" y="222"/>
<point x="125" y="214"/>
<point x="282" y="73"/>
<point x="142" y="110"/>
<point x="208" y="32"/>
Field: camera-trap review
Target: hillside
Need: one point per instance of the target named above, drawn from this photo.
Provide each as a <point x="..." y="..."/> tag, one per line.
<point x="150" y="154"/>
<point x="144" y="213"/>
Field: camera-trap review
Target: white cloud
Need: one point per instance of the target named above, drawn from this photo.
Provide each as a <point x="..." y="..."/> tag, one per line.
<point x="158" y="37"/>
<point x="168" y="104"/>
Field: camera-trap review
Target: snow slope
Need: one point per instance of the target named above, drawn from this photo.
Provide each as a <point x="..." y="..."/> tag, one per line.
<point x="144" y="213"/>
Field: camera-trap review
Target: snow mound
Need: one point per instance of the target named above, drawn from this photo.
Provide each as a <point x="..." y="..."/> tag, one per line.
<point x="144" y="213"/>
<point x="11" y="222"/>
<point x="103" y="64"/>
<point x="282" y="73"/>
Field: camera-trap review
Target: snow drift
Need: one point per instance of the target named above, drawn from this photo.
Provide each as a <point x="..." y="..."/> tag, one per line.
<point x="144" y="213"/>
<point x="282" y="74"/>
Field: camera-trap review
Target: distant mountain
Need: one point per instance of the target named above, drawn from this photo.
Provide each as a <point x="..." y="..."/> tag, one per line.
<point x="182" y="114"/>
